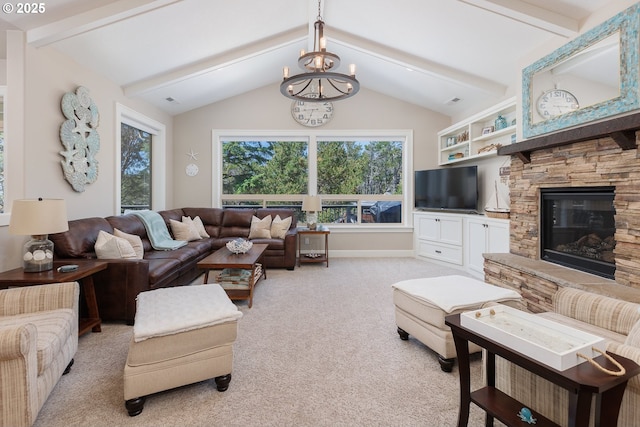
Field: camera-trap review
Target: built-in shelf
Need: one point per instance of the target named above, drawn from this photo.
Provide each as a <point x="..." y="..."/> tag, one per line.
<point x="474" y="137"/>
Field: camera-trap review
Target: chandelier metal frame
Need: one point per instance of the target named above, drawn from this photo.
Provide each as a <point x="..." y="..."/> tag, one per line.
<point x="319" y="83"/>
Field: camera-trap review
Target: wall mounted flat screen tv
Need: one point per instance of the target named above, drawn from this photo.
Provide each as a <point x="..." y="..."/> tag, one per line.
<point x="454" y="189"/>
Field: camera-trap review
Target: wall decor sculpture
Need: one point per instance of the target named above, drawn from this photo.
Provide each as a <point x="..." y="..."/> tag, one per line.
<point x="80" y="139"/>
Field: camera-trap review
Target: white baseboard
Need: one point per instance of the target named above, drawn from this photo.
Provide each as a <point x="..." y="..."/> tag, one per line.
<point x="371" y="254"/>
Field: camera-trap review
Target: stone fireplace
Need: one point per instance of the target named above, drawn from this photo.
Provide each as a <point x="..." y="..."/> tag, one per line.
<point x="605" y="159"/>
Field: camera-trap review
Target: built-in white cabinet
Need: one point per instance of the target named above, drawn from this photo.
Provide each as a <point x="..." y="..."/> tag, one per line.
<point x="479" y="135"/>
<point x="459" y="240"/>
<point x="439" y="236"/>
<point x="484" y="235"/>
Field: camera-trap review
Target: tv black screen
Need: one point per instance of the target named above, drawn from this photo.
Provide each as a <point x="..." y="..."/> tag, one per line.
<point x="453" y="189"/>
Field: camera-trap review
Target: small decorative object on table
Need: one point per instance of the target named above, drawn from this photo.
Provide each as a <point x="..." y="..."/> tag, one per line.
<point x="526" y="415"/>
<point x="500" y="123"/>
<point x="239" y="246"/>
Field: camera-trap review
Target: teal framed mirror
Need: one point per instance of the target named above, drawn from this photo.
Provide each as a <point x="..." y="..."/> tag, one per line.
<point x="590" y="78"/>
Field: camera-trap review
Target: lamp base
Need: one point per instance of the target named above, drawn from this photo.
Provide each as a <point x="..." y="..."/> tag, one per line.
<point x="37" y="254"/>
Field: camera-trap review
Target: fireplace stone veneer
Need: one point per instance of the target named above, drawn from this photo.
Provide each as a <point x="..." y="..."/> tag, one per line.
<point x="592" y="163"/>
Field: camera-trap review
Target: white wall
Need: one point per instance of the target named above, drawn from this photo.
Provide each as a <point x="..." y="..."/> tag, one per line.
<point x="267" y="109"/>
<point x="48" y="75"/>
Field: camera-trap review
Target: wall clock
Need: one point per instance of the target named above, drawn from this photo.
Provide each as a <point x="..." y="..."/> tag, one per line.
<point x="556" y="102"/>
<point x="191" y="169"/>
<point x="311" y="114"/>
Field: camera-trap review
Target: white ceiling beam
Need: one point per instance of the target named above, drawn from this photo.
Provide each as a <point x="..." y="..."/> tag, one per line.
<point x="91" y="20"/>
<point x="415" y="63"/>
<point x="217" y="62"/>
<point x="530" y="14"/>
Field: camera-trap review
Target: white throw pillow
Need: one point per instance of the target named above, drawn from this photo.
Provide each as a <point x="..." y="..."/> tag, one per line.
<point x="184" y="230"/>
<point x="279" y="227"/>
<point x="136" y="242"/>
<point x="109" y="246"/>
<point x="260" y="228"/>
<point x="197" y="222"/>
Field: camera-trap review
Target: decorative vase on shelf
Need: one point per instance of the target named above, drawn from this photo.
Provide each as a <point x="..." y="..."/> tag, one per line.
<point x="500" y="123"/>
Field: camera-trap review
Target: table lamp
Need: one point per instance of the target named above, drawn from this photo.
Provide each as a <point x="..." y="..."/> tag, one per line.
<point x="311" y="205"/>
<point x="38" y="218"/>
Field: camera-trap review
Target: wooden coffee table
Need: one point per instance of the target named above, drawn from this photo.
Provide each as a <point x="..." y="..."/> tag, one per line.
<point x="224" y="258"/>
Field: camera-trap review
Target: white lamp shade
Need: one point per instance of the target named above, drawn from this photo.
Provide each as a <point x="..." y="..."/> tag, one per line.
<point x="311" y="204"/>
<point x="38" y="217"/>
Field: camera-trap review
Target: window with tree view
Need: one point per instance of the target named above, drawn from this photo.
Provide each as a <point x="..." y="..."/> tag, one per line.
<point x="135" y="158"/>
<point x="360" y="181"/>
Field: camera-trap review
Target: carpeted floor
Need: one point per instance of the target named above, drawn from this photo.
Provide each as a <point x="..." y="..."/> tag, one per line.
<point x="319" y="347"/>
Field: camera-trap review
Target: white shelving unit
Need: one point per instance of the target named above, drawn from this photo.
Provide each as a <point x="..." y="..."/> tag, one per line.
<point x="470" y="138"/>
<point x="459" y="240"/>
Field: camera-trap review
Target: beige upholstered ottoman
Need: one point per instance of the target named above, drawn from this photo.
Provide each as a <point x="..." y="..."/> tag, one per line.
<point x="422" y="304"/>
<point x="181" y="335"/>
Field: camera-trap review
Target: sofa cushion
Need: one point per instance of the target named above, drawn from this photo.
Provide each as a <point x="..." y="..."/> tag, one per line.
<point x="279" y="227"/>
<point x="197" y="222"/>
<point x="54" y="328"/>
<point x="80" y="239"/>
<point x="109" y="246"/>
<point x="236" y="223"/>
<point x="131" y="224"/>
<point x="633" y="338"/>
<point x="163" y="270"/>
<point x="136" y="242"/>
<point x="211" y="218"/>
<point x="184" y="230"/>
<point x="260" y="228"/>
<point x="605" y="312"/>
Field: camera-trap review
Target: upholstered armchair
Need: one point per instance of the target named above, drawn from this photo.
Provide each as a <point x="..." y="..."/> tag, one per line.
<point x="38" y="340"/>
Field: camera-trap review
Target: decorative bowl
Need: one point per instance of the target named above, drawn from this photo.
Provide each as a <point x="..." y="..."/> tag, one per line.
<point x="239" y="246"/>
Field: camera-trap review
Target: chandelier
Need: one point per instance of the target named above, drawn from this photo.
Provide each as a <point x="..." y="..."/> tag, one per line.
<point x="319" y="83"/>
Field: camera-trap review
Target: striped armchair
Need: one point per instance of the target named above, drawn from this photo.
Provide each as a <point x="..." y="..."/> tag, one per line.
<point x="38" y="339"/>
<point x="615" y="320"/>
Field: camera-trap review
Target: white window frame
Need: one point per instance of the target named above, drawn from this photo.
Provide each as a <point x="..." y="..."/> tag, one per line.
<point x="158" y="132"/>
<point x="313" y="136"/>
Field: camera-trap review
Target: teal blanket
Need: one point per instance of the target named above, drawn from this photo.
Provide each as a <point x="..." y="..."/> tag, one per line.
<point x="157" y="231"/>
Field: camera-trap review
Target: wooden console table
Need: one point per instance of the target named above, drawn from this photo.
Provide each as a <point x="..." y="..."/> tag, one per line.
<point x="17" y="278"/>
<point x="581" y="381"/>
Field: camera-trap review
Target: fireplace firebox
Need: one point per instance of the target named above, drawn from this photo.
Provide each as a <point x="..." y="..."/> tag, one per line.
<point x="578" y="227"/>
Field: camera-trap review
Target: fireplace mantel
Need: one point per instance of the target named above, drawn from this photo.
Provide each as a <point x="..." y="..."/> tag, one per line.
<point x="621" y="129"/>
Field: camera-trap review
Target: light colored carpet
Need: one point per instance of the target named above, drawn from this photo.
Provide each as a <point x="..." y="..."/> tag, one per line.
<point x="318" y="348"/>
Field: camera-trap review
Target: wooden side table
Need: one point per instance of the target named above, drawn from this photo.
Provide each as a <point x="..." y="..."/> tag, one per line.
<point x="84" y="275"/>
<point x="582" y="381"/>
<point x="305" y="259"/>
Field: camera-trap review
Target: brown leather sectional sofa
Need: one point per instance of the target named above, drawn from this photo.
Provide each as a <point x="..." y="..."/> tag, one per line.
<point x="118" y="286"/>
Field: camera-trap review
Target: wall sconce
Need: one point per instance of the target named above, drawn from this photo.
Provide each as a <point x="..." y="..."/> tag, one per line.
<point x="38" y="218"/>
<point x="311" y="205"/>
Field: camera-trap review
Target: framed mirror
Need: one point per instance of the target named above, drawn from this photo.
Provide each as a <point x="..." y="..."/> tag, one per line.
<point x="592" y="77"/>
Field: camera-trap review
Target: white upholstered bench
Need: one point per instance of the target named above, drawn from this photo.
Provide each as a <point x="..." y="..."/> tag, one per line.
<point x="181" y="335"/>
<point x="422" y="304"/>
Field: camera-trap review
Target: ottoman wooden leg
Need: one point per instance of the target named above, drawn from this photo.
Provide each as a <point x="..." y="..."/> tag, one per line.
<point x="404" y="335"/>
<point x="222" y="382"/>
<point x="446" y="364"/>
<point x="134" y="406"/>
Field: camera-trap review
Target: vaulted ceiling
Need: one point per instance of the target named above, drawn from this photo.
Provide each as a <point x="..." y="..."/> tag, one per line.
<point x="183" y="54"/>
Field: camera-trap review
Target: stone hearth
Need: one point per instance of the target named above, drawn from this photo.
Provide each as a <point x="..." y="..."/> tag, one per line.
<point x="597" y="162"/>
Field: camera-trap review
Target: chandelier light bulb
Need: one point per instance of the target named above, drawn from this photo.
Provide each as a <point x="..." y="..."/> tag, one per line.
<point x="285" y="72"/>
<point x="352" y="69"/>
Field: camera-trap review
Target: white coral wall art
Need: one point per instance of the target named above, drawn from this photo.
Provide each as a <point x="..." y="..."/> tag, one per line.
<point x="80" y="139"/>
